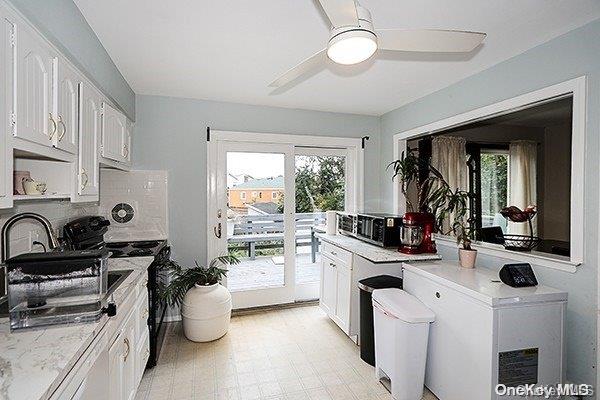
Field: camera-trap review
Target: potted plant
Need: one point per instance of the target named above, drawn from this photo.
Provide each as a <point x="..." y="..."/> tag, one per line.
<point x="456" y="206"/>
<point x="205" y="304"/>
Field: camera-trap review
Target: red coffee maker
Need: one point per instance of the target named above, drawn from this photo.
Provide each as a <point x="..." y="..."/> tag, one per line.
<point x="416" y="234"/>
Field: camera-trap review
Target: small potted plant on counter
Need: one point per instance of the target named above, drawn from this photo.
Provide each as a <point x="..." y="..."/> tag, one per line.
<point x="205" y="304"/>
<point x="456" y="208"/>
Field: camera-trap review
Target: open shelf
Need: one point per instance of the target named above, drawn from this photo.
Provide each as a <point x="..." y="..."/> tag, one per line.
<point x="20" y="197"/>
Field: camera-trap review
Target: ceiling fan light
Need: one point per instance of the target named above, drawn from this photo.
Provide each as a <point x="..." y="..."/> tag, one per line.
<point x="352" y="47"/>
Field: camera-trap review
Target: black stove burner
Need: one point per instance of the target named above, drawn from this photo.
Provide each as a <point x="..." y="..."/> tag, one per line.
<point x="145" y="245"/>
<point x="118" y="245"/>
<point x="139" y="253"/>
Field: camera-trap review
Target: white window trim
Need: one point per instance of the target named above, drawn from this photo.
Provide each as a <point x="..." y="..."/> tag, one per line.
<point x="575" y="87"/>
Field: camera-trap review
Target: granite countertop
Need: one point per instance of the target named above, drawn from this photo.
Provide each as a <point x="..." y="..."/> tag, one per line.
<point x="371" y="252"/>
<point x="33" y="363"/>
<point x="482" y="284"/>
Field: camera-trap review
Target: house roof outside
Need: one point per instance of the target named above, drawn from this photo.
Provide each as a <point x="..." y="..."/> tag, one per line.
<point x="265" y="208"/>
<point x="264" y="183"/>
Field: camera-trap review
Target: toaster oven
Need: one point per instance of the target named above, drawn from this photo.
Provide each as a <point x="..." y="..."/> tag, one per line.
<point x="379" y="229"/>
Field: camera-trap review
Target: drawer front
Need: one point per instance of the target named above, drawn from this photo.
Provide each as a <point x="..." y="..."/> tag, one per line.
<point x="337" y="253"/>
<point x="461" y="335"/>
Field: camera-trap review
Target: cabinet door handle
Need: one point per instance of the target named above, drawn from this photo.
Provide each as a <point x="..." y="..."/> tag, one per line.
<point x="53" y="130"/>
<point x="217" y="230"/>
<point x="61" y="135"/>
<point x="332" y="265"/>
<point x="127" y="349"/>
<point x="334" y="253"/>
<point x="84" y="178"/>
<point x="125" y="151"/>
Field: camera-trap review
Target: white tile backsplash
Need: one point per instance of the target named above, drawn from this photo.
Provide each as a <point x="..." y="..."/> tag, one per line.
<point x="146" y="192"/>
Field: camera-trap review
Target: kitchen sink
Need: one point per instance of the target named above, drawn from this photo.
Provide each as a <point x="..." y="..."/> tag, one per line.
<point x="115" y="278"/>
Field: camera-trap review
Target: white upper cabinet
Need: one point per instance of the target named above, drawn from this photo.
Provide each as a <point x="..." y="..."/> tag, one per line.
<point x="35" y="121"/>
<point x="67" y="107"/>
<point x="90" y="121"/>
<point x="114" y="134"/>
<point x="5" y="151"/>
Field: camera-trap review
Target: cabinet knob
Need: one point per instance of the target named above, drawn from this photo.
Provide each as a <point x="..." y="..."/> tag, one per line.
<point x="438" y="295"/>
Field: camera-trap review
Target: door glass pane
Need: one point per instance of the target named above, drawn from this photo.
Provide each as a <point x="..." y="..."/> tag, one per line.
<point x="255" y="231"/>
<point x="320" y="186"/>
<point x="494" y="188"/>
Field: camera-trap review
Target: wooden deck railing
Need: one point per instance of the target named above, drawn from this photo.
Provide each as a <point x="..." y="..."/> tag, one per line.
<point x="249" y="231"/>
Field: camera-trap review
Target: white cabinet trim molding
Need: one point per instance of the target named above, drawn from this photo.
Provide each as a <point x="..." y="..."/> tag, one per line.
<point x="575" y="87"/>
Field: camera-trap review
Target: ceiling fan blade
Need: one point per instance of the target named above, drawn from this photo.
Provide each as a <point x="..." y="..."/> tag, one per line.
<point x="340" y="12"/>
<point x="305" y="66"/>
<point x="429" y="40"/>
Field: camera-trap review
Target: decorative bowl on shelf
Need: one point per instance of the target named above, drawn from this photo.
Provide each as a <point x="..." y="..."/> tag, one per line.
<point x="520" y="242"/>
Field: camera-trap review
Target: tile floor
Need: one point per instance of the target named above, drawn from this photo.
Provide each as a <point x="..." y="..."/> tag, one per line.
<point x="292" y="354"/>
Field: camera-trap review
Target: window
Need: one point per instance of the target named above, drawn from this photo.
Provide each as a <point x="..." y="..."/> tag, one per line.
<point x="254" y="195"/>
<point x="274" y="195"/>
<point x="243" y="195"/>
<point x="494" y="187"/>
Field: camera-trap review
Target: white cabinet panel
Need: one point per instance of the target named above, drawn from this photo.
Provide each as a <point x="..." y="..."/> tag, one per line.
<point x="342" y="297"/>
<point x="114" y="134"/>
<point x="129" y="381"/>
<point x="34" y="63"/>
<point x="90" y="120"/>
<point x="115" y="369"/>
<point x="67" y="107"/>
<point x="5" y="151"/>
<point x="328" y="286"/>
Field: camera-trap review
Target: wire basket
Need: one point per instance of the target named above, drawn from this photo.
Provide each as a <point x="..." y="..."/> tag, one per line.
<point x="520" y="242"/>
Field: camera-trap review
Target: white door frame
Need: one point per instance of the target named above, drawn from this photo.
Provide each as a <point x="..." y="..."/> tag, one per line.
<point x="260" y="296"/>
<point x="355" y="154"/>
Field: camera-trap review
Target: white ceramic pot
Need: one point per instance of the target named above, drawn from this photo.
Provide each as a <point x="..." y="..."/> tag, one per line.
<point x="206" y="312"/>
<point x="467" y="258"/>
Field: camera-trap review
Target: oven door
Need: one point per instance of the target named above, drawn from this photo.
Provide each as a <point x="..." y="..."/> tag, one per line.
<point x="364" y="227"/>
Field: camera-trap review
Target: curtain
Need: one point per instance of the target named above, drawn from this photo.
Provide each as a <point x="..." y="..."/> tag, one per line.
<point x="522" y="181"/>
<point x="449" y="157"/>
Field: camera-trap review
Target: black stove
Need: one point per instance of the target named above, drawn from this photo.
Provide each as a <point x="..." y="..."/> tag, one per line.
<point x="88" y="233"/>
<point x="135" y="249"/>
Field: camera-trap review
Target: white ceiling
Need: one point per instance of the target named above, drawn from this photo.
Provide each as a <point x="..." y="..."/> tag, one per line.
<point x="231" y="50"/>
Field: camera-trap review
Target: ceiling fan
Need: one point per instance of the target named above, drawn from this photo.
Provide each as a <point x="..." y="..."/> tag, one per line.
<point x="353" y="39"/>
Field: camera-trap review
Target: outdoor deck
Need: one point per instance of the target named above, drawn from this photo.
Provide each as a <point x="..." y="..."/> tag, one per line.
<point x="263" y="272"/>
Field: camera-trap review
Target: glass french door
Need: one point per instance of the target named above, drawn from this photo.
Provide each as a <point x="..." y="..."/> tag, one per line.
<point x="255" y="221"/>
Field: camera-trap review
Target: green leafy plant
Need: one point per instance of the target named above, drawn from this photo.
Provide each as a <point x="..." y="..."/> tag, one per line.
<point x="430" y="191"/>
<point x="435" y="196"/>
<point x="183" y="279"/>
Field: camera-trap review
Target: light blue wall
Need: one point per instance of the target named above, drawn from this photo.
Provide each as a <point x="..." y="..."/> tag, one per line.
<point x="571" y="55"/>
<point x="63" y="24"/>
<point x="170" y="134"/>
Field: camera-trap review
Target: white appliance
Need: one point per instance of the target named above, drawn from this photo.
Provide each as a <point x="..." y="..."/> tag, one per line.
<point x="487" y="333"/>
<point x="354" y="39"/>
<point x="401" y="332"/>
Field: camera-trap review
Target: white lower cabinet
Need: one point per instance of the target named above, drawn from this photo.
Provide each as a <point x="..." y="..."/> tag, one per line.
<point x="336" y="281"/>
<point x="116" y="359"/>
<point x="339" y="294"/>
